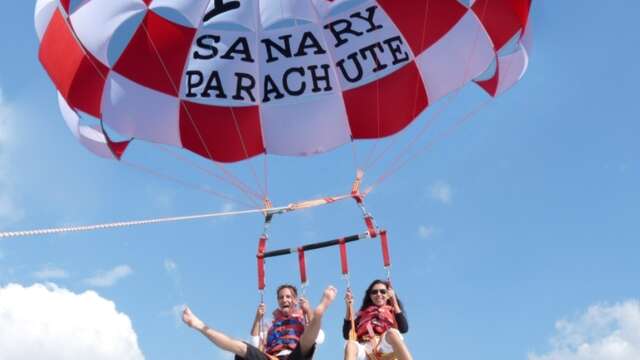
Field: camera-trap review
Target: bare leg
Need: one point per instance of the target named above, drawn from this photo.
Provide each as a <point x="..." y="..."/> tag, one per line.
<point x="350" y="350"/>
<point x="310" y="333"/>
<point x="399" y="347"/>
<point x="221" y="340"/>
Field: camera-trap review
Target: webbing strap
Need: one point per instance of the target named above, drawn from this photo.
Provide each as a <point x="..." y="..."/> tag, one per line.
<point x="371" y="227"/>
<point x="355" y="187"/>
<point x="303" y="266"/>
<point x="343" y="257"/>
<point x="262" y="244"/>
<point x="385" y="248"/>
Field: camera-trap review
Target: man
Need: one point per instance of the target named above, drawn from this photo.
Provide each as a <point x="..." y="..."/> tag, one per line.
<point x="290" y="337"/>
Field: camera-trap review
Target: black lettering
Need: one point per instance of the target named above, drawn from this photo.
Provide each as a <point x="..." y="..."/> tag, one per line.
<point x="354" y="58"/>
<point x="309" y="41"/>
<point x="393" y="43"/>
<point x="191" y="84"/>
<point x="248" y="88"/>
<point x="240" y="47"/>
<point x="214" y="83"/>
<point x="269" y="88"/>
<point x="339" y="28"/>
<point x="284" y="50"/>
<point x="318" y="78"/>
<point x="206" y="42"/>
<point x="371" y="49"/>
<point x="371" y="12"/>
<point x="285" y="81"/>
<point x="220" y="7"/>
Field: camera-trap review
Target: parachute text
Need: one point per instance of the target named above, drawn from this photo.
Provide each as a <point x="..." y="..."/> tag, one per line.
<point x="291" y="63"/>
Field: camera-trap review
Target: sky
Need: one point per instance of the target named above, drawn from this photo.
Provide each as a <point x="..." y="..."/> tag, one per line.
<point x="516" y="237"/>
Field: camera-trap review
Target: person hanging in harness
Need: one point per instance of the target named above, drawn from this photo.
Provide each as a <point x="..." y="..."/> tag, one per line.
<point x="375" y="334"/>
<point x="289" y="337"/>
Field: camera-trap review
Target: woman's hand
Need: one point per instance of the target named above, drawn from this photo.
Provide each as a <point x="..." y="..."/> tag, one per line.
<point x="392" y="294"/>
<point x="348" y="297"/>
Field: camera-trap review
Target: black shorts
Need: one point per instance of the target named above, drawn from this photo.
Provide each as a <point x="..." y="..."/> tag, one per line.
<point x="253" y="353"/>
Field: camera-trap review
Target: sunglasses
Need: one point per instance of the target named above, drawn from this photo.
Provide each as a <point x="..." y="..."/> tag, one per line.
<point x="378" y="291"/>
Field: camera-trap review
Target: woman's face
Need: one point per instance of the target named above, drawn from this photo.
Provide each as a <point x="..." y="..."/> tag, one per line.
<point x="378" y="294"/>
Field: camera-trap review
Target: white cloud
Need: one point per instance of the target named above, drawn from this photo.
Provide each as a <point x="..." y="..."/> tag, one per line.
<point x="48" y="322"/>
<point x="227" y="207"/>
<point x="10" y="212"/>
<point x="170" y="265"/>
<point x="160" y="198"/>
<point x="425" y="231"/>
<point x="109" y="278"/>
<point x="441" y="191"/>
<point x="49" y="272"/>
<point x="602" y="333"/>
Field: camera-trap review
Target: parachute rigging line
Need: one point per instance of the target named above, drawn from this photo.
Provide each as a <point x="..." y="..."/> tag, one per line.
<point x="368" y="163"/>
<point x="394" y="167"/>
<point x="186" y="108"/>
<point x="398" y="163"/>
<point x="227" y="176"/>
<point x="185" y="184"/>
<point x="118" y="154"/>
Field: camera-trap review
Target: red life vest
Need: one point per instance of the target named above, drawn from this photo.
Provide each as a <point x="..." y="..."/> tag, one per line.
<point x="374" y="320"/>
<point x="285" y="332"/>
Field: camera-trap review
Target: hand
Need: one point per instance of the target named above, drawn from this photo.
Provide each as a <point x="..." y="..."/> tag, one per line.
<point x="304" y="305"/>
<point x="348" y="297"/>
<point x="192" y="320"/>
<point x="329" y="293"/>
<point x="260" y="311"/>
<point x="392" y="294"/>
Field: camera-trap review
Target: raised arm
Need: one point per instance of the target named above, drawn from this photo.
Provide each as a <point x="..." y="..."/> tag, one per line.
<point x="401" y="319"/>
<point x="255" y="328"/>
<point x="348" y="327"/>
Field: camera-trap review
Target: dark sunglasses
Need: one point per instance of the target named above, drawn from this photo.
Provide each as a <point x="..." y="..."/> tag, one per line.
<point x="378" y="291"/>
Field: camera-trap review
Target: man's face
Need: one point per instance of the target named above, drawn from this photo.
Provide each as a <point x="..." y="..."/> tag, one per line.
<point x="286" y="300"/>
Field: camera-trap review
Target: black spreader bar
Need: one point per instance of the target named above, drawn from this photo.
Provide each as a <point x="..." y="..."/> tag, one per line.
<point x="314" y="246"/>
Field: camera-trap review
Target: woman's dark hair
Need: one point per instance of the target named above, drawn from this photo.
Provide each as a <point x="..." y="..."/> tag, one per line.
<point x="366" y="300"/>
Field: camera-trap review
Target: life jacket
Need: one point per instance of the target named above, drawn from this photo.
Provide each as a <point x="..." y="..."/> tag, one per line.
<point x="374" y="320"/>
<point x="285" y="332"/>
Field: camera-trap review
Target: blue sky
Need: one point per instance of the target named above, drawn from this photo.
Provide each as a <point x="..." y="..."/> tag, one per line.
<point x="511" y="238"/>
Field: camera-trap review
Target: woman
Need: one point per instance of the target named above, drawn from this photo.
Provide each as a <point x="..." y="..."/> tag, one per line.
<point x="377" y="327"/>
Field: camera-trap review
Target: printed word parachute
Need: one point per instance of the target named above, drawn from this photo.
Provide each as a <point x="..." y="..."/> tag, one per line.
<point x="232" y="79"/>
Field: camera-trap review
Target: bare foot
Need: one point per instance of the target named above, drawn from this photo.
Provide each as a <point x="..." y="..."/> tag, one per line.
<point x="327" y="298"/>
<point x="191" y="319"/>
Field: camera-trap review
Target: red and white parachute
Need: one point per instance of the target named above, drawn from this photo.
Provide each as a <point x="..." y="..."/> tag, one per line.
<point x="231" y="79"/>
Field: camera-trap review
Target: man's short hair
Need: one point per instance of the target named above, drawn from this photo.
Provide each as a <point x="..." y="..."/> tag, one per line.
<point x="287" y="286"/>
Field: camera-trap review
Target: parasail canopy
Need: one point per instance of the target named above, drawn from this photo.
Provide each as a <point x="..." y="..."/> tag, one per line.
<point x="232" y="79"/>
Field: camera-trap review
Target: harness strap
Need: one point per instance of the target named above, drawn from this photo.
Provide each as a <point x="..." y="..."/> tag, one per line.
<point x="262" y="244"/>
<point x="384" y="241"/>
<point x="355" y="187"/>
<point x="371" y="227"/>
<point x="303" y="266"/>
<point x="343" y="257"/>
